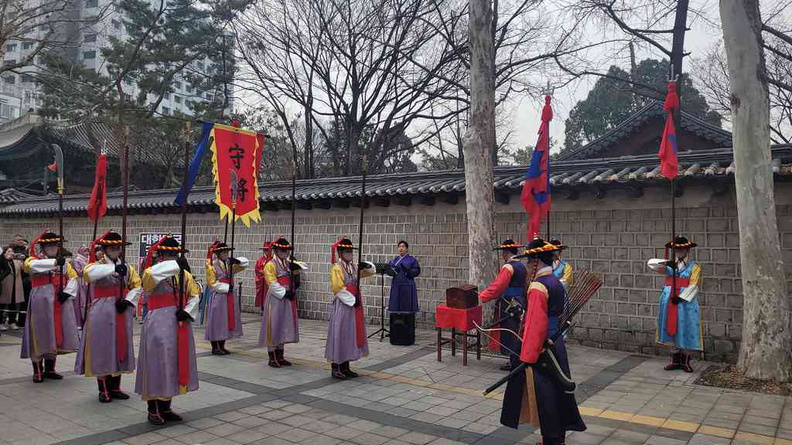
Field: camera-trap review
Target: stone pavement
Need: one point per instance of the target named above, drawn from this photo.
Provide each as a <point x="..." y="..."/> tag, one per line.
<point x="404" y="396"/>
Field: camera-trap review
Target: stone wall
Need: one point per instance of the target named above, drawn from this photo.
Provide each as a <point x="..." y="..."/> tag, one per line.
<point x="612" y="237"/>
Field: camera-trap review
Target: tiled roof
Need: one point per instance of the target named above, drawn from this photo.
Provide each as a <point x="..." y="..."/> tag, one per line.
<point x="633" y="123"/>
<point x="11" y="195"/>
<point x="702" y="165"/>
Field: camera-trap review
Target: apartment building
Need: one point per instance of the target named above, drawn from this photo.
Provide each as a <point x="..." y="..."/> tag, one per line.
<point x="92" y="26"/>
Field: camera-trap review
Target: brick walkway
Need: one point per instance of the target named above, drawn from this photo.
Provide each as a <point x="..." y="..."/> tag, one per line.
<point x="404" y="396"/>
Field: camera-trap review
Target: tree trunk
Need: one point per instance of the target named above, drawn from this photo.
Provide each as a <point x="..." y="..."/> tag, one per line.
<point x="479" y="193"/>
<point x="766" y="350"/>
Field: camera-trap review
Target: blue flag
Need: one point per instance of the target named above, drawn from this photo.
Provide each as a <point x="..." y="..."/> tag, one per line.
<point x="195" y="164"/>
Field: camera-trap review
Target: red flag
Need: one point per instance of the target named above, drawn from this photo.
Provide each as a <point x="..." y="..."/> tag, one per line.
<point x="238" y="150"/>
<point x="669" y="164"/>
<point x="535" y="196"/>
<point x="97" y="206"/>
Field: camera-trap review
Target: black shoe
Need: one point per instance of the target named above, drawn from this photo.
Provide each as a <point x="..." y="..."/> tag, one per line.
<point x="49" y="370"/>
<point x="336" y="373"/>
<point x="167" y="413"/>
<point x="154" y="415"/>
<point x="104" y="397"/>
<point x="155" y="418"/>
<point x="223" y="348"/>
<point x="105" y="384"/>
<point x="38" y="375"/>
<point x="279" y="357"/>
<point x="344" y="367"/>
<point x="676" y="362"/>
<point x="506" y="367"/>
<point x="119" y="395"/>
<point x="686" y="363"/>
<point x="273" y="362"/>
<point x="217" y="352"/>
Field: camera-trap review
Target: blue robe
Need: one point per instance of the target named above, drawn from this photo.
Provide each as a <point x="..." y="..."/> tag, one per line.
<point x="403" y="292"/>
<point x="688" y="334"/>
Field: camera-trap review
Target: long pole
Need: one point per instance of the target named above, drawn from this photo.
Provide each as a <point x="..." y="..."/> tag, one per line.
<point x="125" y="179"/>
<point x="187" y="131"/>
<point x="293" y="213"/>
<point x="360" y="229"/>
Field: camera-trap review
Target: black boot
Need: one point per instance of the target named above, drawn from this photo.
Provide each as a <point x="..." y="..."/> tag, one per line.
<point x="216" y="348"/>
<point x="348" y="372"/>
<point x="167" y="413"/>
<point x="279" y="357"/>
<point x="49" y="370"/>
<point x="104" y="389"/>
<point x="336" y="373"/>
<point x="273" y="362"/>
<point x="154" y="415"/>
<point x="38" y="372"/>
<point x="221" y="345"/>
<point x="676" y="362"/>
<point x="686" y="363"/>
<point x="115" y="388"/>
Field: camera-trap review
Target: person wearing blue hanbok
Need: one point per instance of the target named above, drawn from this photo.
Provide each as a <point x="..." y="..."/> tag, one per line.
<point x="679" y="317"/>
<point x="403" y="291"/>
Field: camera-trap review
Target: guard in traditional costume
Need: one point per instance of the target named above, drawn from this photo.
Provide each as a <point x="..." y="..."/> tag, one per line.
<point x="561" y="268"/>
<point x="224" y="310"/>
<point x="279" y="320"/>
<point x="166" y="359"/>
<point x="51" y="327"/>
<point x="679" y="318"/>
<point x="261" y="284"/>
<point x="508" y="290"/>
<point x="537" y="396"/>
<point x="106" y="349"/>
<point x="346" y="336"/>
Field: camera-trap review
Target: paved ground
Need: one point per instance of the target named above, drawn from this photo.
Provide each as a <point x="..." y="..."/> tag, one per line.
<point x="404" y="397"/>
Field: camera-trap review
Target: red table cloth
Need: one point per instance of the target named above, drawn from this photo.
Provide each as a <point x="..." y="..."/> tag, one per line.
<point x="462" y="319"/>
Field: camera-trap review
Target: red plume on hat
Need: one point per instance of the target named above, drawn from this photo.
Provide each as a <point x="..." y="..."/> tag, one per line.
<point x="211" y="248"/>
<point x="335" y="248"/>
<point x="92" y="253"/>
<point x="151" y="250"/>
<point x="35" y="241"/>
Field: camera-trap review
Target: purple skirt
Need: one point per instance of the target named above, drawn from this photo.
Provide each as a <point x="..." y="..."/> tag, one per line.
<point x="278" y="323"/>
<point x="38" y="339"/>
<point x="97" y="356"/>
<point x="158" y="371"/>
<point x="217" y="318"/>
<point x="80" y="300"/>
<point x="341" y="339"/>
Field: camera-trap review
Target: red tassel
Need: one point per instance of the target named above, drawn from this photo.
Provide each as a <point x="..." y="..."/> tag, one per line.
<point x="333" y="252"/>
<point x="547" y="110"/>
<point x="150" y="253"/>
<point x="231" y="317"/>
<point x="58" y="315"/>
<point x="672" y="98"/>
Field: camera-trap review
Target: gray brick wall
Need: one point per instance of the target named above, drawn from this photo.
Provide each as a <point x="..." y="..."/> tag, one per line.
<point x="612" y="237"/>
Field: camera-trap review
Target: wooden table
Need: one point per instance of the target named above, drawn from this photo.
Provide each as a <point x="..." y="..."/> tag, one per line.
<point x="461" y="322"/>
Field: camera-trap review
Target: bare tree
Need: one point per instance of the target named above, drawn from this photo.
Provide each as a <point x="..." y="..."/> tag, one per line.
<point x="766" y="350"/>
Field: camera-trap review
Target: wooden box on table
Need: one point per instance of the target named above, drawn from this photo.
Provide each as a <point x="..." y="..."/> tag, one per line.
<point x="462" y="297"/>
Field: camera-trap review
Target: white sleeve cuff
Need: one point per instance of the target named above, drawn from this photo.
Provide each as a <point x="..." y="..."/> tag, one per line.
<point x="689" y="293"/>
<point x="42" y="266"/>
<point x="221" y="288"/>
<point x="192" y="307"/>
<point x="99" y="271"/>
<point x="657" y="264"/>
<point x="303" y="266"/>
<point x="346" y="297"/>
<point x="243" y="262"/>
<point x="371" y="265"/>
<point x="133" y="296"/>
<point x="276" y="290"/>
<point x="71" y="287"/>
<point x="163" y="270"/>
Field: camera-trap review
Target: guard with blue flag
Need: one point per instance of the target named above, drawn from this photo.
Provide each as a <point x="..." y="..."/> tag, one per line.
<point x="535" y="196"/>
<point x="195" y="164"/>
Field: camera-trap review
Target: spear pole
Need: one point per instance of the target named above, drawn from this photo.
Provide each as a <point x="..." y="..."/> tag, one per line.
<point x="293" y="212"/>
<point x="360" y="229"/>
<point x="187" y="131"/>
<point x="125" y="179"/>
